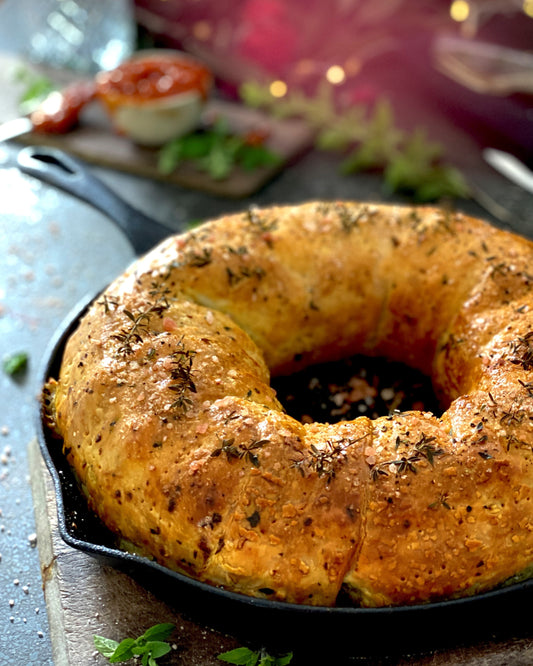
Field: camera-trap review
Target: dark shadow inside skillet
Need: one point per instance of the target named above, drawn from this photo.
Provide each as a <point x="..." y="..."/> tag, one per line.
<point x="335" y="633"/>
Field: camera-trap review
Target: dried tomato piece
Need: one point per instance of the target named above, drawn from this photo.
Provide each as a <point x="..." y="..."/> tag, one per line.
<point x="60" y="111"/>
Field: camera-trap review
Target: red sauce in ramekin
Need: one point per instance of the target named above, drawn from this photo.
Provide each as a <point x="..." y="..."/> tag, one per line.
<point x="152" y="77"/>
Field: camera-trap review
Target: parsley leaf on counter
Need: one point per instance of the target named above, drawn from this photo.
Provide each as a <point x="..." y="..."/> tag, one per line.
<point x="246" y="657"/>
<point x="36" y="89"/>
<point x="15" y="364"/>
<point x="150" y="646"/>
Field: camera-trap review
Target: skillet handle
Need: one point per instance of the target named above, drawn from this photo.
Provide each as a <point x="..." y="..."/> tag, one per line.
<point x="55" y="167"/>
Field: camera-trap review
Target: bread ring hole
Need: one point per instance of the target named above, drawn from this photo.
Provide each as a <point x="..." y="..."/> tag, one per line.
<point x="356" y="386"/>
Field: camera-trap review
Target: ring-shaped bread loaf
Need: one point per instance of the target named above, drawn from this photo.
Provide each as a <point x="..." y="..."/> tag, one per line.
<point x="167" y="415"/>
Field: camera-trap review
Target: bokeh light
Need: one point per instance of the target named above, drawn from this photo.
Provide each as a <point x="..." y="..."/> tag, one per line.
<point x="335" y="74"/>
<point x="278" y="88"/>
<point x="459" y="10"/>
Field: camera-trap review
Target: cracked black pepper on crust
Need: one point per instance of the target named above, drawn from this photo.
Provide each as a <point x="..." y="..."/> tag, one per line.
<point x="167" y="415"/>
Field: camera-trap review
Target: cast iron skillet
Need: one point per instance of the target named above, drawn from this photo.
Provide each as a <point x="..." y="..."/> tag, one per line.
<point x="338" y="632"/>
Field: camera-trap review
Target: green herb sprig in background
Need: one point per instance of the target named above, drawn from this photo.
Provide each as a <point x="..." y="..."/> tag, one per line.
<point x="368" y="139"/>
<point x="36" y="89"/>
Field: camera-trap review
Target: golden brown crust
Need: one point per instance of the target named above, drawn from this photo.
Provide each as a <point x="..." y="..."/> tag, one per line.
<point x="168" y="418"/>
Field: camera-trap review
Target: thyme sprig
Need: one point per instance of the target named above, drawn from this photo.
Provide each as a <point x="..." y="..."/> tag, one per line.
<point x="134" y="334"/>
<point x="423" y="449"/>
<point x="427" y="449"/>
<point x="515" y="417"/>
<point x="109" y="303"/>
<point x="522" y="351"/>
<point x="183" y="384"/>
<point x="228" y="448"/>
<point x="327" y="460"/>
<point x="242" y="451"/>
<point x="441" y="501"/>
<point x="139" y="327"/>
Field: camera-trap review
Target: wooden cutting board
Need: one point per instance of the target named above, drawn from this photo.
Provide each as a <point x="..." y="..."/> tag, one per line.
<point x="95" y="142"/>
